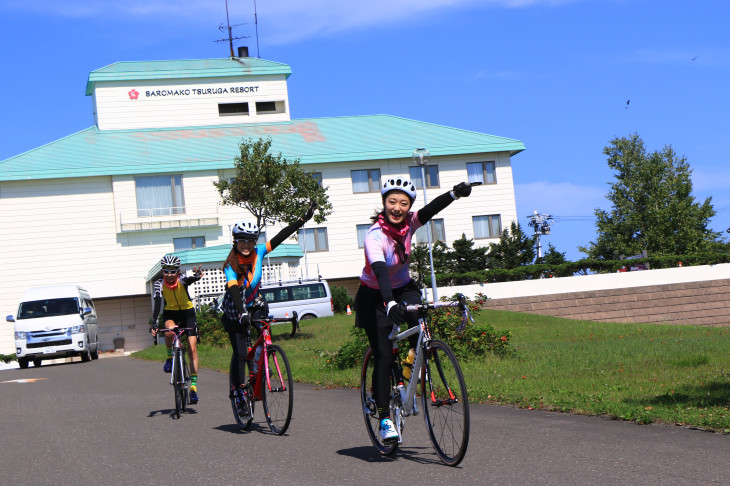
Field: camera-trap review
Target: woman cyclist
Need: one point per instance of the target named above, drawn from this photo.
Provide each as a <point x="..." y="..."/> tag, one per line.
<point x="242" y="303"/>
<point x="386" y="283"/>
<point x="179" y="311"/>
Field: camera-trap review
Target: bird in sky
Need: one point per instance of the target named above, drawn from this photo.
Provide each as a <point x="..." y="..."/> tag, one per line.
<point x="627" y="104"/>
<point x="694" y="58"/>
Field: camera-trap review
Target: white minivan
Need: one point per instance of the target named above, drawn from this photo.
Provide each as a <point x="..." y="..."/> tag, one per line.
<point x="309" y="298"/>
<point x="54" y="322"/>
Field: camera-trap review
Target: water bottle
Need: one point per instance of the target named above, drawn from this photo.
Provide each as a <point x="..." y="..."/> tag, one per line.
<point x="402" y="391"/>
<point x="408" y="364"/>
<point x="256" y="357"/>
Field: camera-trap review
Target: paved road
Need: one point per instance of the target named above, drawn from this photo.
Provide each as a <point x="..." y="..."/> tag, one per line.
<point x="109" y="421"/>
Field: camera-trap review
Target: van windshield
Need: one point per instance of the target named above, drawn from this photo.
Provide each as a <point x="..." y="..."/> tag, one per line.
<point x="48" y="308"/>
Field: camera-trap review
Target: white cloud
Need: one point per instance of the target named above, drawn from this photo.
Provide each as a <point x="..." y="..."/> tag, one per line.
<point x="285" y="21"/>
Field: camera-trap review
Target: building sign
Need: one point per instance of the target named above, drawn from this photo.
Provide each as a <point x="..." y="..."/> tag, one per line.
<point x="191" y="92"/>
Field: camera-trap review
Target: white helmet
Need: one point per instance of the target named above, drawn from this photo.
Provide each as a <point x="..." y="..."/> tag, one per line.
<point x="245" y="230"/>
<point x="170" y="261"/>
<point x="399" y="184"/>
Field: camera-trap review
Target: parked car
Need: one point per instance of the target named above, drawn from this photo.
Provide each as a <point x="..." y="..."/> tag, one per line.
<point x="54" y="322"/>
<point x="309" y="298"/>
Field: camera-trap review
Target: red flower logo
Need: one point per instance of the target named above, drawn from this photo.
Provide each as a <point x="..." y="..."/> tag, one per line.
<point x="134" y="94"/>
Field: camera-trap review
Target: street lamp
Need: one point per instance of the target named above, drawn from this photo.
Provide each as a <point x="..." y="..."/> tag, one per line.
<point x="422" y="157"/>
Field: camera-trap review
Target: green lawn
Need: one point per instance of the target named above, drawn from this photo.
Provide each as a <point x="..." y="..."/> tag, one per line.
<point x="641" y="372"/>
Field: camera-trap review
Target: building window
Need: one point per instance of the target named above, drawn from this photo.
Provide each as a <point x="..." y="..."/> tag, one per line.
<point x="367" y="180"/>
<point x="317" y="176"/>
<point x="269" y="107"/>
<point x="432" y="176"/>
<point x="436" y="226"/>
<point x="159" y="195"/>
<point x="189" y="243"/>
<point x="227" y="109"/>
<point x="487" y="226"/>
<point x="481" y="172"/>
<point x="362" y="230"/>
<point x="313" y="239"/>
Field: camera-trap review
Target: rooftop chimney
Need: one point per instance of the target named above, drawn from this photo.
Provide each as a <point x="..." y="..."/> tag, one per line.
<point x="242" y="51"/>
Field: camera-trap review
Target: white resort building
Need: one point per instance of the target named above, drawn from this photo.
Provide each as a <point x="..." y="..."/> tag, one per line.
<point x="100" y="207"/>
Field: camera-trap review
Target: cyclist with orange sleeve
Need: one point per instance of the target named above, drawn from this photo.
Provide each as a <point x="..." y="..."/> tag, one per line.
<point x="242" y="303"/>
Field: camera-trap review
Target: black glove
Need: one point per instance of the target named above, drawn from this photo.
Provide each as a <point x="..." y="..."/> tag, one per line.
<point x="310" y="212"/>
<point x="462" y="189"/>
<point x="244" y="319"/>
<point x="396" y="312"/>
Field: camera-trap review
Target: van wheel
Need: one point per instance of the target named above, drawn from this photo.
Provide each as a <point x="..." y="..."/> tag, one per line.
<point x="37" y="363"/>
<point x="86" y="355"/>
<point x="23" y="362"/>
<point x="95" y="353"/>
<point x="307" y="316"/>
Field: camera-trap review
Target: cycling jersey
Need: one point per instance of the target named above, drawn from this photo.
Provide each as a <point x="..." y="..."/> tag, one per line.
<point x="249" y="281"/>
<point x="175" y="297"/>
<point x="382" y="247"/>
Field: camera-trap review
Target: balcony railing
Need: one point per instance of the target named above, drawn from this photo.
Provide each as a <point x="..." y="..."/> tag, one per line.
<point x="165" y="218"/>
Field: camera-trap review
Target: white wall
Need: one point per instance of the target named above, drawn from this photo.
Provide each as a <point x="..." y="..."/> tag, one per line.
<point x="116" y="110"/>
<point x="585" y="283"/>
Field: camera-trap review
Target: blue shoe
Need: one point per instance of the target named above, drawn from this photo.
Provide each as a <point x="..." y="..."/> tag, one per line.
<point x="167" y="367"/>
<point x="193" y="397"/>
<point x="241" y="403"/>
<point x="387" y="431"/>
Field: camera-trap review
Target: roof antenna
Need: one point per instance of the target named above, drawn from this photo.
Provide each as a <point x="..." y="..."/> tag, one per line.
<point x="256" y="21"/>
<point x="228" y="26"/>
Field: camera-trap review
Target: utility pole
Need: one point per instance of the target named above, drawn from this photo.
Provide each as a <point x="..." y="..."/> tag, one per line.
<point x="541" y="224"/>
<point x="229" y="28"/>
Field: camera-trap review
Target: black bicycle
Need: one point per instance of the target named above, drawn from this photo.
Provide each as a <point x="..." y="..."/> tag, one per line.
<point x="180" y="375"/>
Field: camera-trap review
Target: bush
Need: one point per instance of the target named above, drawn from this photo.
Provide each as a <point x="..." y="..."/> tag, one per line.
<point x="341" y="299"/>
<point x="470" y="342"/>
<point x="350" y="354"/>
<point x="7" y="358"/>
<point x="211" y="329"/>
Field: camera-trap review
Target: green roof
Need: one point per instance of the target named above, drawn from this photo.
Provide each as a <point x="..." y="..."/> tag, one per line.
<point x="92" y="152"/>
<point x="219" y="253"/>
<point x="184" y="69"/>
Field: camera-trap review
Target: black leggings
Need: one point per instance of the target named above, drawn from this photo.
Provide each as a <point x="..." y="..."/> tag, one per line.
<point x="372" y="317"/>
<point x="239" y="338"/>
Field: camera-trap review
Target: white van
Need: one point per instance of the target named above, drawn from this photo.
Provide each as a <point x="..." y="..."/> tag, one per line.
<point x="55" y="322"/>
<point x="309" y="298"/>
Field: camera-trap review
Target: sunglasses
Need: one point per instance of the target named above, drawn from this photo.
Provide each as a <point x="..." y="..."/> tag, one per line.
<point x="169" y="272"/>
<point x="250" y="242"/>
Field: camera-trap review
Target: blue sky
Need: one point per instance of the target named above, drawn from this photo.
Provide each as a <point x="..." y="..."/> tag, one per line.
<point x="555" y="74"/>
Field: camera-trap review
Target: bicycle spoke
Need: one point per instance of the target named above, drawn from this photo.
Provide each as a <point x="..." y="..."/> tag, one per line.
<point x="276" y="390"/>
<point x="446" y="404"/>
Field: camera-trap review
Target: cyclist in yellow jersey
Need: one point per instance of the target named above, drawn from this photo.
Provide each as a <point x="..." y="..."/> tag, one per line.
<point x="179" y="311"/>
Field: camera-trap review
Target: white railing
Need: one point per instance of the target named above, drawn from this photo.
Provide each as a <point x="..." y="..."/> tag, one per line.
<point x="166" y="218"/>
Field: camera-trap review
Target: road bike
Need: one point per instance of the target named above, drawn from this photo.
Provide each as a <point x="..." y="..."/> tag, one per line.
<point x="180" y="374"/>
<point x="443" y="391"/>
<point x="270" y="382"/>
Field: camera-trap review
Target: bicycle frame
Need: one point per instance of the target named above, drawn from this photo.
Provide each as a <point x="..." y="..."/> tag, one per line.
<point x="264" y="341"/>
<point x="177" y="349"/>
<point x="424" y="337"/>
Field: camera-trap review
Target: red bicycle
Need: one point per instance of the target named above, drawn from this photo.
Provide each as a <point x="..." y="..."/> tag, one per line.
<point x="269" y="381"/>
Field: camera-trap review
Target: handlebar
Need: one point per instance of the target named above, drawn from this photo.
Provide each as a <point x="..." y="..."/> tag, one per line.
<point x="178" y="331"/>
<point x="423" y="309"/>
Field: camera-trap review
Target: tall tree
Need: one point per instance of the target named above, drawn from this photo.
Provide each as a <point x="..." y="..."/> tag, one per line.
<point x="514" y="249"/>
<point x="465" y="258"/>
<point x="653" y="207"/>
<point x="272" y="187"/>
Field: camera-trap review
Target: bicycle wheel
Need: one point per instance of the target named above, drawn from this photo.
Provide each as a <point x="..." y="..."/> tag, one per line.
<point x="177" y="383"/>
<point x="185" y="381"/>
<point x="369" y="410"/>
<point x="278" y="396"/>
<point x="445" y="403"/>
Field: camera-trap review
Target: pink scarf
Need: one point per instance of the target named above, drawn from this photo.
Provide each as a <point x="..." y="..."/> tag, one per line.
<point x="398" y="234"/>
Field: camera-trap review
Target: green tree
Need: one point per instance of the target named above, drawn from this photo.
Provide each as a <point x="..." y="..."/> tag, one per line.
<point x="420" y="264"/>
<point x="465" y="258"/>
<point x="552" y="256"/>
<point x="514" y="249"/>
<point x="653" y="207"/>
<point x="272" y="187"/>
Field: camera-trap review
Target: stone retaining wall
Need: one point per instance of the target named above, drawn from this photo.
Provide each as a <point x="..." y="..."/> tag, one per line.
<point x="694" y="303"/>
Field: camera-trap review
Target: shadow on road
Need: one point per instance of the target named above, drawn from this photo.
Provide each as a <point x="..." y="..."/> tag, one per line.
<point x="369" y="454"/>
<point x="170" y="412"/>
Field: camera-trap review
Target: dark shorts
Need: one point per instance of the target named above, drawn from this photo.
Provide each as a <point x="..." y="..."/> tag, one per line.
<point x="370" y="311"/>
<point x="182" y="318"/>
